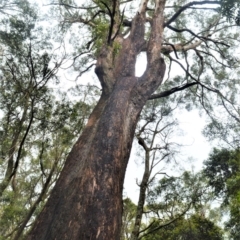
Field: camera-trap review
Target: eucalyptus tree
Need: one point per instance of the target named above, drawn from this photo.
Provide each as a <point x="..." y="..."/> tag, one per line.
<point x="86" y="202"/>
<point x="21" y="89"/>
<point x="171" y="199"/>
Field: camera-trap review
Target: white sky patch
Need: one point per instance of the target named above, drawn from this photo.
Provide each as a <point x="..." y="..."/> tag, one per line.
<point x="195" y="147"/>
<point x="141" y="64"/>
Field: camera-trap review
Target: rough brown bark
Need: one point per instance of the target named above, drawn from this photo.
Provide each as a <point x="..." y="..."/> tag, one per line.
<point x="86" y="202"/>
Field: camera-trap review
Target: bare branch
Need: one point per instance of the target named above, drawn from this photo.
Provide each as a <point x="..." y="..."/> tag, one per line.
<point x="85" y="70"/>
<point x="71" y="6"/>
<point x="197" y="36"/>
<point x="185" y="7"/>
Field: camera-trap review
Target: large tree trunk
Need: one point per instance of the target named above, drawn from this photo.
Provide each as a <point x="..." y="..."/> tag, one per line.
<point x="86" y="202"/>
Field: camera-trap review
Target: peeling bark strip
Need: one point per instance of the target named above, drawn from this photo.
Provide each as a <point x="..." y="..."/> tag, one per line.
<point x="86" y="202"/>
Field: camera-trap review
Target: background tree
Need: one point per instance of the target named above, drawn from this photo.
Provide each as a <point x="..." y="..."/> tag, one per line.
<point x="171" y="204"/>
<point x="38" y="123"/>
<point x="222" y="170"/>
<point x="177" y="208"/>
<point x="154" y="135"/>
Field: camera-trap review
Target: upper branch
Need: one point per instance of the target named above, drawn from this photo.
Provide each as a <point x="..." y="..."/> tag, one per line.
<point x="183" y="8"/>
<point x="168" y="48"/>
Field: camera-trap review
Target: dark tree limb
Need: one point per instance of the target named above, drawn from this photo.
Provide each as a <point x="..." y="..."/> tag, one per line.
<point x="174" y="49"/>
<point x="172" y="90"/>
<point x="127" y="23"/>
<point x="22" y="143"/>
<point x="119" y="27"/>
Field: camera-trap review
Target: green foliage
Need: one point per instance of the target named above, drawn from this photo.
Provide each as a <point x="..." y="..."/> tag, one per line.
<point x="129" y="214"/>
<point x="178" y="208"/>
<point x="223" y="172"/>
<point x="231" y="9"/>
<point x="116" y="49"/>
<point x="194" y="227"/>
<point x="221" y="168"/>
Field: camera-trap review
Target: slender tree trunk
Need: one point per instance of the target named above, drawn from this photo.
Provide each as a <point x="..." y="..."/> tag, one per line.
<point x="10" y="166"/>
<point x="86" y="202"/>
<point x="142" y="196"/>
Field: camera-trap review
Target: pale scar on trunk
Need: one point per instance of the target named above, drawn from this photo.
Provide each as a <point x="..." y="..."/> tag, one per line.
<point x="98" y="232"/>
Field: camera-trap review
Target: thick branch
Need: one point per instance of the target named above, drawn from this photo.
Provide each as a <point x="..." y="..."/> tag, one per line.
<point x="179" y="47"/>
<point x="155" y="71"/>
